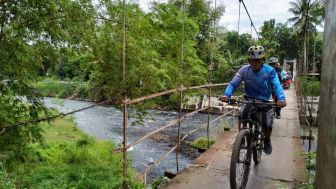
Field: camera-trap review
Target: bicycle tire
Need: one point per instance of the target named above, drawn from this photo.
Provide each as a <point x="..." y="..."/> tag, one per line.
<point x="242" y="137"/>
<point x="258" y="146"/>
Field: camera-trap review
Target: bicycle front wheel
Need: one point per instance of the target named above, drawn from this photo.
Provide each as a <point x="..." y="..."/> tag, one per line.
<point x="240" y="160"/>
<point x="258" y="144"/>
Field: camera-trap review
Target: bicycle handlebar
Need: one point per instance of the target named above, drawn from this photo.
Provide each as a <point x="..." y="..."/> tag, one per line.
<point x="254" y="102"/>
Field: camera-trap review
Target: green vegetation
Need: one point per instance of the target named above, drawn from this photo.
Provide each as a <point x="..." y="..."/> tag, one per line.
<point x="5" y="181"/>
<point x="202" y="143"/>
<point x="51" y="87"/>
<point x="310" y="158"/>
<point x="159" y="181"/>
<point x="67" y="159"/>
<point x="310" y="86"/>
<point x="62" y="129"/>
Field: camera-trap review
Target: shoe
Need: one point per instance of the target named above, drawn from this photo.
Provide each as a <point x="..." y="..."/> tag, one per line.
<point x="268" y="147"/>
<point x="277" y="114"/>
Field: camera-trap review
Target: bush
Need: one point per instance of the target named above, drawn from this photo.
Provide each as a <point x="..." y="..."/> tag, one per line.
<point x="85" y="163"/>
<point x="310" y="86"/>
<point x="62" y="89"/>
<point x="159" y="181"/>
<point x="202" y="143"/>
<point x="310" y="159"/>
<point x="5" y="181"/>
<point x="68" y="159"/>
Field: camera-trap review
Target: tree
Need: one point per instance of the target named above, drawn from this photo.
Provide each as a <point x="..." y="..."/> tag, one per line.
<point x="287" y="40"/>
<point x="229" y="42"/>
<point x="154" y="56"/>
<point x="326" y="149"/>
<point x="268" y="37"/>
<point x="301" y="23"/>
<point x="26" y="27"/>
<point x="305" y="22"/>
<point x="226" y="70"/>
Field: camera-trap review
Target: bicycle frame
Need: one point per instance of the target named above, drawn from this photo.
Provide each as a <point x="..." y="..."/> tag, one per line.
<point x="254" y="114"/>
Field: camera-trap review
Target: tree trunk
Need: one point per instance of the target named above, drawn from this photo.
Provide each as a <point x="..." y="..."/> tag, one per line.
<point x="326" y="149"/>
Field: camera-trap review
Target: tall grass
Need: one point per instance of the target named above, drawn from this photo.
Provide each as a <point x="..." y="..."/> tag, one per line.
<point x="310" y="86"/>
<point x="62" y="89"/>
<point x="5" y="181"/>
<point x="68" y="159"/>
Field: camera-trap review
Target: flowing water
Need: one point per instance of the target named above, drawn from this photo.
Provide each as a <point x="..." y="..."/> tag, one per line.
<point x="105" y="122"/>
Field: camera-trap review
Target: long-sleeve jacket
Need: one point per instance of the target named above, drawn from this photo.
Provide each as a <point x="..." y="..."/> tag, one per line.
<point x="282" y="74"/>
<point x="258" y="84"/>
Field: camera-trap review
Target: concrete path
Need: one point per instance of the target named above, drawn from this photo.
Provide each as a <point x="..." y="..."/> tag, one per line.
<point x="284" y="168"/>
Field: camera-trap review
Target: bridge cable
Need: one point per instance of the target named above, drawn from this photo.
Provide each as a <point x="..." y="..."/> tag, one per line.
<point x="238" y="26"/>
<point x="252" y="24"/>
<point x="124" y="107"/>
<point x="211" y="66"/>
<point x="181" y="86"/>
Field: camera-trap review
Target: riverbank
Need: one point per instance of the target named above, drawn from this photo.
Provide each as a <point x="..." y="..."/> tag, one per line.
<point x="75" y="90"/>
<point x="67" y="158"/>
<point x="79" y="90"/>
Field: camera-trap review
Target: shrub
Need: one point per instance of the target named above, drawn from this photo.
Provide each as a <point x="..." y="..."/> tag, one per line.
<point x="310" y="86"/>
<point x="62" y="89"/>
<point x="202" y="143"/>
<point x="69" y="159"/>
<point x="5" y="181"/>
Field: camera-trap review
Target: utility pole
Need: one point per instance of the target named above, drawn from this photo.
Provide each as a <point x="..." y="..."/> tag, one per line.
<point x="326" y="148"/>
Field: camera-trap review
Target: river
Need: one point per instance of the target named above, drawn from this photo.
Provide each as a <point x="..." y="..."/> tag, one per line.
<point x="105" y="122"/>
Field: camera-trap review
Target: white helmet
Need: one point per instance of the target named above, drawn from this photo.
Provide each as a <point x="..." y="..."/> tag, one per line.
<point x="272" y="60"/>
<point x="256" y="52"/>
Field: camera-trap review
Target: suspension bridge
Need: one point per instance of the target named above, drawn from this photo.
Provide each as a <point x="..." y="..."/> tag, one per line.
<point x="284" y="168"/>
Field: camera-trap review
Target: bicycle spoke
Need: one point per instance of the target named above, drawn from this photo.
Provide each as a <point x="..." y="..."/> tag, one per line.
<point x="242" y="163"/>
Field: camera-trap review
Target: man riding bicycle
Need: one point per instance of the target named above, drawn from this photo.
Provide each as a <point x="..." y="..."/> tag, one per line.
<point x="260" y="79"/>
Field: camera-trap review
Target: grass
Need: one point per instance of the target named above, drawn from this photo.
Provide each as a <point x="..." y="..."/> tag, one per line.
<point x="310" y="86"/>
<point x="51" y="87"/>
<point x="62" y="129"/>
<point x="202" y="143"/>
<point x="6" y="182"/>
<point x="68" y="159"/>
<point x="310" y="160"/>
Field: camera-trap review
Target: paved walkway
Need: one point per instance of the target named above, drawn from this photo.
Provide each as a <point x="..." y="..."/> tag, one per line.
<point x="282" y="169"/>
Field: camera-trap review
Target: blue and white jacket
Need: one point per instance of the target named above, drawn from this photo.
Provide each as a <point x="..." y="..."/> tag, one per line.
<point x="258" y="84"/>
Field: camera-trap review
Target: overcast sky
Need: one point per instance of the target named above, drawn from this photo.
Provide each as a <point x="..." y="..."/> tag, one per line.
<point x="260" y="11"/>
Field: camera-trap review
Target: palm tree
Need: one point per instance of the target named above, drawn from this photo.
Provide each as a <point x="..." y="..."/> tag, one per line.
<point x="299" y="10"/>
<point x="304" y="22"/>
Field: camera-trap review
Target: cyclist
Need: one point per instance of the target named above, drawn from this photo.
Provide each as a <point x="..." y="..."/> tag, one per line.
<point x="282" y="75"/>
<point x="259" y="79"/>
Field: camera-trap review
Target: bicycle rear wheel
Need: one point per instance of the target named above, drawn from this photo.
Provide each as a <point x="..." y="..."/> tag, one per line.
<point x="240" y="160"/>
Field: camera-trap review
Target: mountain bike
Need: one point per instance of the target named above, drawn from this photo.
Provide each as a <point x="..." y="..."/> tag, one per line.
<point x="249" y="141"/>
